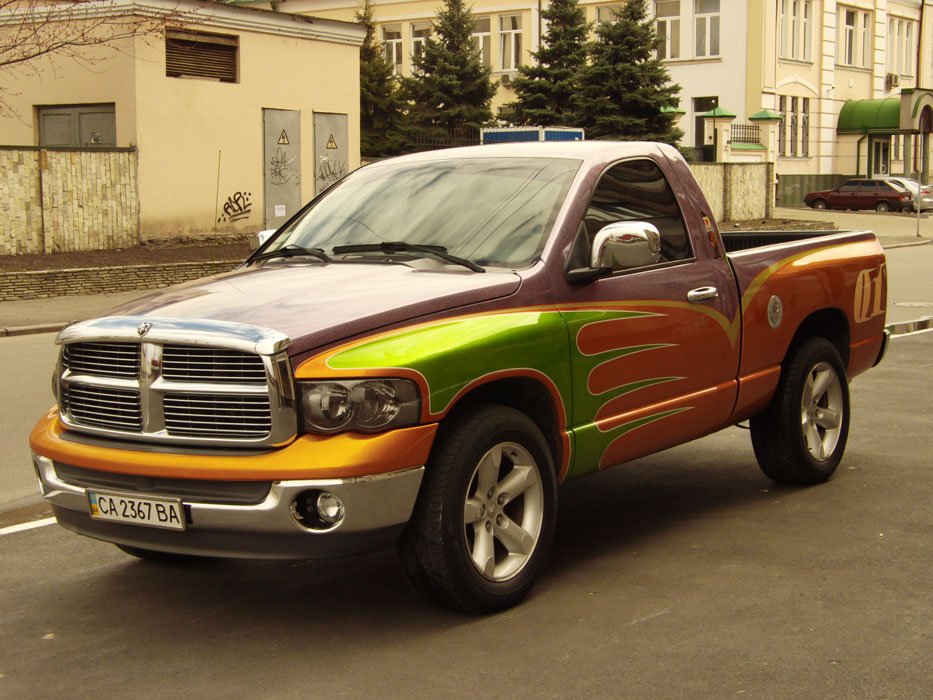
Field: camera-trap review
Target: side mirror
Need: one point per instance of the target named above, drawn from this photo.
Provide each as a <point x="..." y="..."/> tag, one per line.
<point x="625" y="245"/>
<point x="256" y="240"/>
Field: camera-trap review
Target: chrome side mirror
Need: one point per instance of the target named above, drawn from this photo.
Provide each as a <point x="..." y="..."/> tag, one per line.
<point x="625" y="245"/>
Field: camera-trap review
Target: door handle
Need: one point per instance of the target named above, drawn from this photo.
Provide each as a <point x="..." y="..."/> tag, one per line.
<point x="702" y="294"/>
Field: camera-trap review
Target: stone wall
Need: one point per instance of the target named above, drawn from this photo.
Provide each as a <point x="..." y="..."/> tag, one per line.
<point x="737" y="191"/>
<point x="16" y="286"/>
<point x="62" y="200"/>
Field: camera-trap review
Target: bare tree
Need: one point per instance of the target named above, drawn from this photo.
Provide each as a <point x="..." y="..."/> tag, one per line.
<point x="33" y="33"/>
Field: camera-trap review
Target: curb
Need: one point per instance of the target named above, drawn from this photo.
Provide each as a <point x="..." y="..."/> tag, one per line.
<point x="906" y="245"/>
<point x="910" y="327"/>
<point x="29" y="330"/>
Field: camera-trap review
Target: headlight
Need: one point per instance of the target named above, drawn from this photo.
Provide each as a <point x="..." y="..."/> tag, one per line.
<point x="364" y="405"/>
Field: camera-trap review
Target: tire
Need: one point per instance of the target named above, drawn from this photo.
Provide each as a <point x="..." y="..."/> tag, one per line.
<point x="152" y="555"/>
<point x="882" y="207"/>
<point x="819" y="204"/>
<point x="801" y="436"/>
<point x="485" y="517"/>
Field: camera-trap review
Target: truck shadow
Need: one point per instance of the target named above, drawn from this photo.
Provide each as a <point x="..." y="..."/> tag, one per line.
<point x="601" y="519"/>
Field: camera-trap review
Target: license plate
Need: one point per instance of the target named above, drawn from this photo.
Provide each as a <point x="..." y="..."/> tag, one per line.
<point x="166" y="513"/>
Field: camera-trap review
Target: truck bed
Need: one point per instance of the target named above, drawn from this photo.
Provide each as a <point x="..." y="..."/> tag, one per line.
<point x="735" y="241"/>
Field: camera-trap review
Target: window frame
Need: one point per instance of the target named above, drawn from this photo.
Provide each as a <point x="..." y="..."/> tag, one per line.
<point x="420" y="33"/>
<point x="795" y="36"/>
<point x="668" y="31"/>
<point x="854" y="40"/>
<point x="393" y="45"/>
<point x="690" y="258"/>
<point x="510" y="43"/>
<point x="707" y="20"/>
<point x="483" y="40"/>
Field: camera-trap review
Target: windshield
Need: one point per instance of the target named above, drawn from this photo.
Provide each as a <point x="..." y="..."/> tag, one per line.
<point x="493" y="211"/>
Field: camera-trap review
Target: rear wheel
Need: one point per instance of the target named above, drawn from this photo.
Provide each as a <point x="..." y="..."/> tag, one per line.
<point x="800" y="438"/>
<point x="882" y="207"/>
<point x="819" y="204"/>
<point x="485" y="517"/>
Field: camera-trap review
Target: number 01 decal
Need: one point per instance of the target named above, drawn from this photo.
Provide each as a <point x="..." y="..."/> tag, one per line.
<point x="869" y="293"/>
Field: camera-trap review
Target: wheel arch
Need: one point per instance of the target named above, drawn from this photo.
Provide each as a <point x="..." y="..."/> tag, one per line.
<point x="528" y="395"/>
<point x="830" y="323"/>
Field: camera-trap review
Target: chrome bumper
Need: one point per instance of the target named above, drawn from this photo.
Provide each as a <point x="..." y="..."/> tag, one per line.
<point x="376" y="510"/>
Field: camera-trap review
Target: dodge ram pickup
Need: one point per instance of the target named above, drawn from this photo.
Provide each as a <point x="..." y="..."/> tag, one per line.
<point x="426" y="351"/>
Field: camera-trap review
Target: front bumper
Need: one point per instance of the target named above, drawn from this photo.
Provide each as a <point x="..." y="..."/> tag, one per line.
<point x="376" y="509"/>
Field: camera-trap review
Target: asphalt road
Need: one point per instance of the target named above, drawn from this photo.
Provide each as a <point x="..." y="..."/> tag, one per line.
<point x="683" y="575"/>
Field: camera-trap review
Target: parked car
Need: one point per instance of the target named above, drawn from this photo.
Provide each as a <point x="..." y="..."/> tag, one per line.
<point x="911" y="185"/>
<point x="426" y="352"/>
<point x="880" y="195"/>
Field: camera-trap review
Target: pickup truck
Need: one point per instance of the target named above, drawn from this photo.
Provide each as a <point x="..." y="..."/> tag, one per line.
<point x="430" y="347"/>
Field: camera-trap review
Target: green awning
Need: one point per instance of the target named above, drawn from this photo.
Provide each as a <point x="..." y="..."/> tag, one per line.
<point x="718" y="112"/>
<point x="862" y="116"/>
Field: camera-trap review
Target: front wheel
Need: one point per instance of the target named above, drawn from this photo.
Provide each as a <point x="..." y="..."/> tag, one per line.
<point x="485" y="517"/>
<point x="801" y="435"/>
<point x="819" y="204"/>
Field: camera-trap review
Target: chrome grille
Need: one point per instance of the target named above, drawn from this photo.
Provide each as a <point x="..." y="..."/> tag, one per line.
<point x="217" y="415"/>
<point x="198" y="382"/>
<point x="102" y="359"/>
<point x="103" y="407"/>
<point x="216" y="365"/>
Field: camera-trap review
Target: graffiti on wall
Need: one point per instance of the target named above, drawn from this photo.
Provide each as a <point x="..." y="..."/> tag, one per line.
<point x="329" y="171"/>
<point x="238" y="206"/>
<point x="280" y="170"/>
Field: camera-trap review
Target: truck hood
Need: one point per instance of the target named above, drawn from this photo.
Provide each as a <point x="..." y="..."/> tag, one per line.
<point x="315" y="304"/>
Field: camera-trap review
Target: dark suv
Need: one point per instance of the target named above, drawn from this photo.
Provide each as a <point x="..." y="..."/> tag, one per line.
<point x="879" y="195"/>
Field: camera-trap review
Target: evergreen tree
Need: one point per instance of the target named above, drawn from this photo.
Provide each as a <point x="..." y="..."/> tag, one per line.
<point x="382" y="106"/>
<point x="624" y="85"/>
<point x="544" y="90"/>
<point x="450" y="88"/>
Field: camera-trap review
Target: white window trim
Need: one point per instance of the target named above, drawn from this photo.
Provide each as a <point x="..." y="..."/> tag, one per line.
<point x="708" y="18"/>
<point x="510" y="44"/>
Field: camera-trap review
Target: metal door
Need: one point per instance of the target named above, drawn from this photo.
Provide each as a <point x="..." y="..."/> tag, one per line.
<point x="331" y="152"/>
<point x="281" y="165"/>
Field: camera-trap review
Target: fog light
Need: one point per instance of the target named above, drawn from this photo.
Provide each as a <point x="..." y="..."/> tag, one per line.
<point x="329" y="508"/>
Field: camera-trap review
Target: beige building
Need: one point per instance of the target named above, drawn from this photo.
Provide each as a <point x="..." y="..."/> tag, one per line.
<point x="784" y="70"/>
<point x="237" y="115"/>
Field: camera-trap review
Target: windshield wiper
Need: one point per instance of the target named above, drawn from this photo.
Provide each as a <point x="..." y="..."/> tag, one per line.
<point x="390" y="247"/>
<point x="291" y="250"/>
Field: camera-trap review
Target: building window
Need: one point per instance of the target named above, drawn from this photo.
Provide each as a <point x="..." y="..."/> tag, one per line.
<point x="392" y="44"/>
<point x="794" y="129"/>
<point x="706" y="15"/>
<point x="854" y="45"/>
<point x="419" y="34"/>
<point x="668" y="14"/>
<point x="782" y="127"/>
<point x="607" y="13"/>
<point x="900" y="58"/>
<point x="805" y="126"/>
<point x="510" y="41"/>
<point x="483" y="37"/>
<point x="796" y="29"/>
<point x="201" y="55"/>
<point x="78" y="126"/>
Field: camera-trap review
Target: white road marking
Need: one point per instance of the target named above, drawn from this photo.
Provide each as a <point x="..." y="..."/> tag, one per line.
<point x="32" y="525"/>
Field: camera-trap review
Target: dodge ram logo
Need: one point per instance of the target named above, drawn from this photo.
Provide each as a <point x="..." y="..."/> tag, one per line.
<point x="143" y="328"/>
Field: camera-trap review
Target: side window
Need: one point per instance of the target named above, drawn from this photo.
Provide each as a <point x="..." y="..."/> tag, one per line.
<point x="850" y="186"/>
<point x="887" y="188"/>
<point x="637" y="190"/>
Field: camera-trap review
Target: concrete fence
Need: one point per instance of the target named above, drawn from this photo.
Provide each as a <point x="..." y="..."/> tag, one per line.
<point x="737" y="191"/>
<point x="62" y="200"/>
<point x="45" y="284"/>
